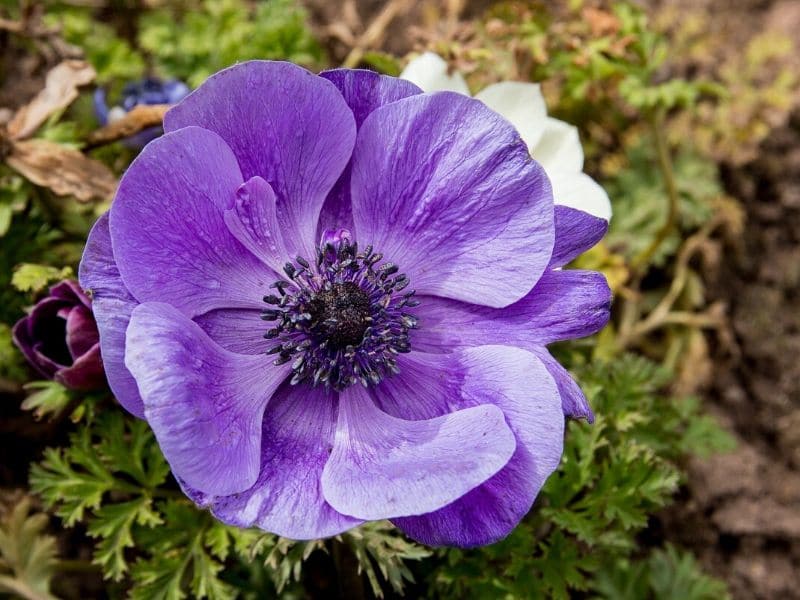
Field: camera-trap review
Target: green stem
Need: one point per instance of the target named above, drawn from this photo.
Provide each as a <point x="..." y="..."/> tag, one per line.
<point x="668" y="175"/>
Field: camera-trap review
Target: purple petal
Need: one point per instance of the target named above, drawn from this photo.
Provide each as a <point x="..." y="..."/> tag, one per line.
<point x="239" y="330"/>
<point x="364" y="91"/>
<point x="287" y="499"/>
<point x="112" y="304"/>
<point x="563" y="305"/>
<point x="85" y="373"/>
<point x="170" y="241"/>
<point x="454" y="193"/>
<point x="253" y="220"/>
<point x="33" y="332"/>
<point x="81" y="331"/>
<point x="382" y="466"/>
<point x="520" y="385"/>
<point x="70" y="290"/>
<point x="284" y="124"/>
<point x="573" y="401"/>
<point x="205" y="404"/>
<point x="576" y="232"/>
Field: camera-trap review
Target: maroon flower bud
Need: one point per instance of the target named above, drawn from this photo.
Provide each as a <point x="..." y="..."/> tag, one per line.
<point x="59" y="338"/>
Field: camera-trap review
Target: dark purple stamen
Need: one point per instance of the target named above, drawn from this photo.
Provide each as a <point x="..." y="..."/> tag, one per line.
<point x="341" y="320"/>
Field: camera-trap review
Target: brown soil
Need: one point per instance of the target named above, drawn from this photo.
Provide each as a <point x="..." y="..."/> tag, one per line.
<point x="741" y="513"/>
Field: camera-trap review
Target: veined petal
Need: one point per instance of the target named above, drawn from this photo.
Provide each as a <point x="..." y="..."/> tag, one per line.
<point x="284" y="124"/>
<point x="518" y="383"/>
<point x="573" y="400"/>
<point x="464" y="198"/>
<point x="382" y="466"/>
<point x="564" y="304"/>
<point x="112" y="305"/>
<point x="364" y="91"/>
<point x="170" y="241"/>
<point x="296" y="441"/>
<point x="253" y="220"/>
<point x="576" y="232"/>
<point x="204" y="404"/>
<point x="240" y="330"/>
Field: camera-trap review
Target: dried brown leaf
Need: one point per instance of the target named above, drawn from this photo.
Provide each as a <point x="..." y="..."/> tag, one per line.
<point x="65" y="171"/>
<point x="140" y="117"/>
<point x="60" y="90"/>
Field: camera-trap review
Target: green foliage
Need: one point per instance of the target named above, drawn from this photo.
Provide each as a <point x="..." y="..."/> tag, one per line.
<point x="34" y="278"/>
<point x="639" y="193"/>
<point x="13" y="199"/>
<point x="48" y="398"/>
<point x="614" y="474"/>
<point x="27" y="555"/>
<point x="113" y="478"/>
<point x="223" y="32"/>
<point x="12" y="365"/>
<point x="667" y="574"/>
<point x="380" y="544"/>
<point x="112" y="57"/>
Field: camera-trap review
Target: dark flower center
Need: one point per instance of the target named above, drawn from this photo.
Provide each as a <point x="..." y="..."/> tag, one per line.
<point x="344" y="313"/>
<point x="343" y="319"/>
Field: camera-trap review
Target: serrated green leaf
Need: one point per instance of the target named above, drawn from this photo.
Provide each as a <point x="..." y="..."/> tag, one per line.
<point x="112" y="524"/>
<point x="50" y="399"/>
<point x="34" y="278"/>
<point x="27" y="555"/>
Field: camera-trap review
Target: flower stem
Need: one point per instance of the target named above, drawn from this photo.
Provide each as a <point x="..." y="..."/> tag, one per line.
<point x="668" y="175"/>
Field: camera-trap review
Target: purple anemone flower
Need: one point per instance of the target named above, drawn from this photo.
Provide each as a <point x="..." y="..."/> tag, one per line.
<point x="147" y="91"/>
<point x="330" y="297"/>
<point x="60" y="340"/>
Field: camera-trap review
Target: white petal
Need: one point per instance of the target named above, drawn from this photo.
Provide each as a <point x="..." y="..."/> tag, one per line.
<point x="429" y="72"/>
<point x="559" y="148"/>
<point x="520" y="103"/>
<point x="578" y="190"/>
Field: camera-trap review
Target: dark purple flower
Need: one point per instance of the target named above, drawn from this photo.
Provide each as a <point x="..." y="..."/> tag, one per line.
<point x="59" y="338"/>
<point x="146" y="91"/>
<point x="331" y="296"/>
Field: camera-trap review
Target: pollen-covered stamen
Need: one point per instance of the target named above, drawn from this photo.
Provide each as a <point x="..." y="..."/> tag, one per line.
<point x="342" y="319"/>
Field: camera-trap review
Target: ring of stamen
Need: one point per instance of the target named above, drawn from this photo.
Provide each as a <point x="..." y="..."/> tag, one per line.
<point x="343" y="319"/>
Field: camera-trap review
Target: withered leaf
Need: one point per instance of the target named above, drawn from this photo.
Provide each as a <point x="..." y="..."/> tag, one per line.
<point x="60" y="90"/>
<point x="65" y="171"/>
<point x="139" y="118"/>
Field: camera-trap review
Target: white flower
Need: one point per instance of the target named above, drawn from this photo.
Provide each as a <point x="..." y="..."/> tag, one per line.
<point x="555" y="144"/>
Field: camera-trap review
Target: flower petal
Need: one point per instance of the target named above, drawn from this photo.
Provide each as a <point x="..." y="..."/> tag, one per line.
<point x="573" y="401"/>
<point x="520" y="103"/>
<point x="520" y="385"/>
<point x="364" y="91"/>
<point x="576" y="232"/>
<point x="253" y="220"/>
<point x="81" y="331"/>
<point x="564" y="305"/>
<point x="559" y="149"/>
<point x="430" y="72"/>
<point x="464" y="197"/>
<point x="287" y="499"/>
<point x="112" y="305"/>
<point x="170" y="241"/>
<point x="240" y="330"/>
<point x="284" y="124"/>
<point x="204" y="404"/>
<point x="382" y="466"/>
<point x="581" y="192"/>
<point x="85" y="373"/>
